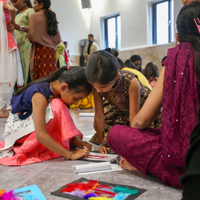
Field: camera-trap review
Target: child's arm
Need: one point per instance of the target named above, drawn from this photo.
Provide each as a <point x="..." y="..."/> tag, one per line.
<point x="39" y="103"/>
<point x="152" y="105"/>
<point x="134" y="98"/>
<point x="99" y="119"/>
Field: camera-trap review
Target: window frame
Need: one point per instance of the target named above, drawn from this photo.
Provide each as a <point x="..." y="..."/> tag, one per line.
<point x="154" y="21"/>
<point x="116" y="30"/>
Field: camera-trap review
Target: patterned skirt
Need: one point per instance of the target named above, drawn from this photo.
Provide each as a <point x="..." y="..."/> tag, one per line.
<point x="44" y="61"/>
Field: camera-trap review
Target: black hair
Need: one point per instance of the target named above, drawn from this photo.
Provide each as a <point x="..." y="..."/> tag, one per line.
<point x="156" y="68"/>
<point x="65" y="42"/>
<point x="135" y="58"/>
<point x="52" y="23"/>
<point x="150" y="71"/>
<point x="91" y="35"/>
<point x="114" y="52"/>
<point x="188" y="31"/>
<point x="120" y="63"/>
<point x="102" y="67"/>
<point x="75" y="77"/>
<point x="163" y="60"/>
<point x="128" y="63"/>
<point x="107" y="50"/>
<point x="28" y="3"/>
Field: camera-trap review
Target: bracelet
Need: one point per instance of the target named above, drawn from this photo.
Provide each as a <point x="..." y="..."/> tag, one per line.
<point x="70" y="155"/>
<point x="22" y="29"/>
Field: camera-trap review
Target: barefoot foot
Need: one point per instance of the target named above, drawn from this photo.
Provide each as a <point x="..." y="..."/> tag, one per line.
<point x="4" y="114"/>
<point x="126" y="165"/>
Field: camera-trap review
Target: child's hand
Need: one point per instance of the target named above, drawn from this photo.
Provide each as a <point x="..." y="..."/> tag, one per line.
<point x="79" y="154"/>
<point x="85" y="144"/>
<point x="81" y="144"/>
<point x="104" y="150"/>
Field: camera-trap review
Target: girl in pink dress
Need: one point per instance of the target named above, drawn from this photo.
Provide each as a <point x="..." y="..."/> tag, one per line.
<point x="40" y="126"/>
<point x="161" y="151"/>
<point x="10" y="65"/>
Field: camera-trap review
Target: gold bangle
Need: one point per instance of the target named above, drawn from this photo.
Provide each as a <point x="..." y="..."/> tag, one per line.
<point x="70" y="155"/>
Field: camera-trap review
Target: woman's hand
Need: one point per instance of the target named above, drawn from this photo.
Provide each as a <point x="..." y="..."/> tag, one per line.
<point x="79" y="154"/>
<point x="11" y="26"/>
<point x="81" y="144"/>
<point x="104" y="150"/>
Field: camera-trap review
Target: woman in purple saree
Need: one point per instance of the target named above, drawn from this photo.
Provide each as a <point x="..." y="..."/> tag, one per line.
<point x="161" y="151"/>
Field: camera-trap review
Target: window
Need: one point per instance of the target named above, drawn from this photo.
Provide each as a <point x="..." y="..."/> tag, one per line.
<point x="113" y="32"/>
<point x="162" y="22"/>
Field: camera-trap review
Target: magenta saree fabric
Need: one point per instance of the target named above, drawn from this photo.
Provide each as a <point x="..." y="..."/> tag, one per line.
<point x="161" y="152"/>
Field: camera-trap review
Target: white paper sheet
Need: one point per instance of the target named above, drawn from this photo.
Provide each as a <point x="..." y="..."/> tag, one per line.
<point x="114" y="167"/>
<point x="92" y="167"/>
<point x="98" y="157"/>
<point x="88" y="137"/>
<point x="86" y="114"/>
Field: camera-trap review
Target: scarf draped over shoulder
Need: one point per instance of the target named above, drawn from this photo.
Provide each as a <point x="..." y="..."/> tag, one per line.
<point x="38" y="34"/>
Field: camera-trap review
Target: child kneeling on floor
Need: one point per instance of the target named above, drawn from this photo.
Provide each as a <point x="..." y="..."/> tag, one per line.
<point x="40" y="126"/>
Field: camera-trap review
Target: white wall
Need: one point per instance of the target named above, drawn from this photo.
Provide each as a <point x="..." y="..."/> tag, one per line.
<point x="76" y="23"/>
<point x="134" y="20"/>
<point x="177" y="7"/>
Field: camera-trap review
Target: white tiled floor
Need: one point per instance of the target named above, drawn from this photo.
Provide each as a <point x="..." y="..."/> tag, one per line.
<point x="51" y="175"/>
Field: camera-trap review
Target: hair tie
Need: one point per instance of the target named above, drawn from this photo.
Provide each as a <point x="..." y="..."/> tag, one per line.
<point x="68" y="66"/>
<point x="198" y="26"/>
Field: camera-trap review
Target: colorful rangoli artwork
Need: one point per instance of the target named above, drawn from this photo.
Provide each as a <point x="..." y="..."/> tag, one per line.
<point x="31" y="192"/>
<point x="93" y="190"/>
<point x="11" y="196"/>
